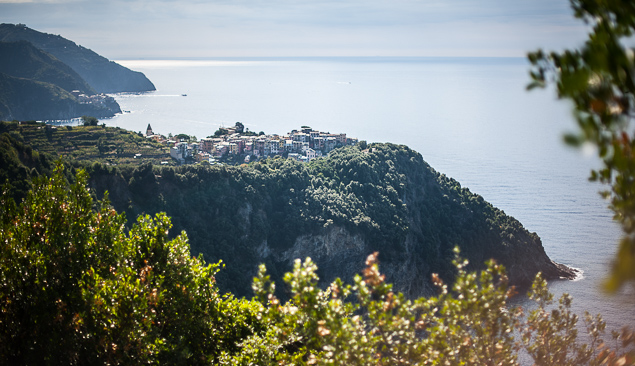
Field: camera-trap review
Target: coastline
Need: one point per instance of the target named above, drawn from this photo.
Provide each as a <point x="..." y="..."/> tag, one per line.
<point x="569" y="273"/>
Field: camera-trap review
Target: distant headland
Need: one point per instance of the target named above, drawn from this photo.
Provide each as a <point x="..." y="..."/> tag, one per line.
<point x="48" y="77"/>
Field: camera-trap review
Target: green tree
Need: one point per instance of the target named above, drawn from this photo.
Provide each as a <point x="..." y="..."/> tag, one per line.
<point x="598" y="78"/>
<point x="101" y="145"/>
<point x="76" y="288"/>
<point x="89" y="121"/>
<point x="183" y="137"/>
<point x="220" y="132"/>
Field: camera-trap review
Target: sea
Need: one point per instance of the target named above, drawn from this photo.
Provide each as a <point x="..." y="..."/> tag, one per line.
<point x="470" y="118"/>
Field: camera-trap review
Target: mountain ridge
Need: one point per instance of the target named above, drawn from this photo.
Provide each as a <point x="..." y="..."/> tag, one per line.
<point x="23" y="60"/>
<point x="103" y="75"/>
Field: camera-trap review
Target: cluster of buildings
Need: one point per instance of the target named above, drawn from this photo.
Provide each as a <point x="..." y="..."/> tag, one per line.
<point x="101" y="100"/>
<point x="303" y="145"/>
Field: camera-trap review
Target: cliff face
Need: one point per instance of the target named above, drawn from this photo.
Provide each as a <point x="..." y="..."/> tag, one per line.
<point x="337" y="210"/>
<point x="338" y="253"/>
<point x="103" y="75"/>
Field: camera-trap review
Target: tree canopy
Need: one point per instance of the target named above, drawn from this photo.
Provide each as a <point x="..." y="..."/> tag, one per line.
<point x="77" y="288"/>
<point x="90" y="121"/>
<point x="598" y="78"/>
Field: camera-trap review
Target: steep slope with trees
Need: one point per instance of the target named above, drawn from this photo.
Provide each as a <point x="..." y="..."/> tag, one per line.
<point x="38" y="86"/>
<point x="336" y="210"/>
<point x="76" y="289"/>
<point x="25" y="99"/>
<point x="23" y="60"/>
<point x="101" y="74"/>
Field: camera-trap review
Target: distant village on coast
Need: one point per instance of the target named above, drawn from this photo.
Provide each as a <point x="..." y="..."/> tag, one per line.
<point x="238" y="145"/>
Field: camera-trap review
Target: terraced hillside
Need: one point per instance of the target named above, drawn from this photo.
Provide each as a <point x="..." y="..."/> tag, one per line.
<point x="111" y="145"/>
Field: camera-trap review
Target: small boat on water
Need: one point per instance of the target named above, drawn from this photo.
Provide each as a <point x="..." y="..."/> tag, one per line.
<point x="184" y="95"/>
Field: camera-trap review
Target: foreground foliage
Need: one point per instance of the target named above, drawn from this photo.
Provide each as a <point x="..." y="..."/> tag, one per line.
<point x="468" y="323"/>
<point x="77" y="288"/>
<point x="599" y="78"/>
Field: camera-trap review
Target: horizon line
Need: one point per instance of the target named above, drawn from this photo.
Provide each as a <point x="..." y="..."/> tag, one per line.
<point x="203" y="58"/>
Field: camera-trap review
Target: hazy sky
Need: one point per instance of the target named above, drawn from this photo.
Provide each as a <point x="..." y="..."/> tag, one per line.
<point x="120" y="29"/>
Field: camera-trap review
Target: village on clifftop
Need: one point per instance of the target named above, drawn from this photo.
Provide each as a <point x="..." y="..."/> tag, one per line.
<point x="303" y="145"/>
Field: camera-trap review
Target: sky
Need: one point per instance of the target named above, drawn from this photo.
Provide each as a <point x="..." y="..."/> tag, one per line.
<point x="139" y="29"/>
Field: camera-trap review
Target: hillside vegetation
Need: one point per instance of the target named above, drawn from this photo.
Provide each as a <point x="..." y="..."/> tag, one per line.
<point x="101" y="74"/>
<point x="78" y="288"/>
<point x="47" y="77"/>
<point x="23" y="60"/>
<point x="26" y="99"/>
<point x="34" y="85"/>
<point x="337" y="210"/>
<point x="107" y="145"/>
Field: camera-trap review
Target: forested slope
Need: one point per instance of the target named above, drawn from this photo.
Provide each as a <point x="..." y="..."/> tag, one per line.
<point x="103" y="75"/>
<point x="26" y="99"/>
<point x="23" y="60"/>
<point x="337" y="210"/>
<point x="78" y="288"/>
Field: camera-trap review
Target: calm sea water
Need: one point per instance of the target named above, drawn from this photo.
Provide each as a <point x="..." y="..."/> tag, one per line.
<point x="470" y="118"/>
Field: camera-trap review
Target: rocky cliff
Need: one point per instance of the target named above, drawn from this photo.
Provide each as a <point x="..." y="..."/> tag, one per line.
<point x="438" y="215"/>
<point x="339" y="253"/>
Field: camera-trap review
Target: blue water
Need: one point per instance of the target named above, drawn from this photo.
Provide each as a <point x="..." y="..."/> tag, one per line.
<point x="470" y="119"/>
